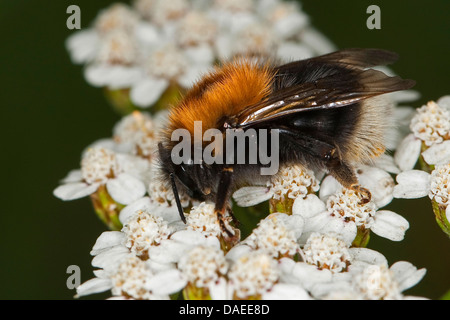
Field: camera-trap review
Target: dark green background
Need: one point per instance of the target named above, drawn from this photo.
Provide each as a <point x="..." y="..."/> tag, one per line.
<point x="49" y="114"/>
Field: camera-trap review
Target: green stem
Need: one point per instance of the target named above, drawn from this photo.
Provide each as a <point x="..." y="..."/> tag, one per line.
<point x="441" y="217"/>
<point x="106" y="208"/>
<point x="191" y="292"/>
<point x="284" y="205"/>
<point x="362" y="238"/>
<point x="120" y="101"/>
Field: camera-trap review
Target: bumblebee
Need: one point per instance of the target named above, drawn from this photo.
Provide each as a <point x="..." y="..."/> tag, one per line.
<point x="327" y="112"/>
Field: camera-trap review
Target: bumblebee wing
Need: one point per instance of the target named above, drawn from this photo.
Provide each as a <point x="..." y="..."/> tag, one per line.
<point x="355" y="57"/>
<point x="330" y="81"/>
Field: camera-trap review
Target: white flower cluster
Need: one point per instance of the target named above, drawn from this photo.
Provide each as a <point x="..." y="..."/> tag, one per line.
<point x="312" y="245"/>
<point x="429" y="142"/>
<point x="155" y="44"/>
<point x="283" y="258"/>
<point x="310" y="253"/>
<point x="124" y="166"/>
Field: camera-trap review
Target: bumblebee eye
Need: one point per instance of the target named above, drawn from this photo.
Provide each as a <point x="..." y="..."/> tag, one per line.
<point x="183" y="175"/>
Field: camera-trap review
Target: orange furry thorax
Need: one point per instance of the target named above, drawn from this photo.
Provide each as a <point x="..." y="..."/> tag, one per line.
<point x="222" y="94"/>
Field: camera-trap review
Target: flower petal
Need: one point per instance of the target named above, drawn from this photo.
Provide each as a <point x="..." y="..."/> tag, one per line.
<point x="107" y="240"/>
<point x="308" y="275"/>
<point x="109" y="259"/>
<point x="147" y="34"/>
<point x="93" y="286"/>
<point x="192" y="74"/>
<point x="294" y="223"/>
<point x="285" y="291"/>
<point x="115" y="77"/>
<point x="291" y="24"/>
<point x="328" y="187"/>
<point x="136" y="166"/>
<point x="444" y="102"/>
<point x="390" y="225"/>
<point x="147" y="92"/>
<point x="219" y="290"/>
<point x="238" y="251"/>
<point x="347" y="230"/>
<point x="316" y="40"/>
<point x="368" y="256"/>
<point x="438" y="153"/>
<point x="379" y="182"/>
<point x="129" y="211"/>
<point x="250" y="196"/>
<point x="166" y="282"/>
<point x="82" y="45"/>
<point x="201" y="54"/>
<point x="290" y="51"/>
<point x="308" y="207"/>
<point x="168" y="251"/>
<point x="125" y="189"/>
<point x="72" y="191"/>
<point x="387" y="163"/>
<point x="194" y="238"/>
<point x="408" y="152"/>
<point x="406" y="274"/>
<point x="72" y="176"/>
<point x="412" y="184"/>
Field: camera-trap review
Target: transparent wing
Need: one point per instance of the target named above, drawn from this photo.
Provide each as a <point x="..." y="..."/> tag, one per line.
<point x="330" y="81"/>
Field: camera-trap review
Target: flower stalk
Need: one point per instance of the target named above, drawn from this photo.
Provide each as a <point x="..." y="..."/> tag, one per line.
<point x="441" y="217"/>
<point x="106" y="208"/>
<point x="362" y="237"/>
<point x="120" y="101"/>
<point x="191" y="292"/>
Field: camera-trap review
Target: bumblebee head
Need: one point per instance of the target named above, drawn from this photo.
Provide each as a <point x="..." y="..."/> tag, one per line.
<point x="182" y="177"/>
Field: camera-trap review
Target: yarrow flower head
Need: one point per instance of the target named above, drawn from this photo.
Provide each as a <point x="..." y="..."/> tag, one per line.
<point x="277" y="235"/>
<point x="347" y="205"/>
<point x="253" y="275"/>
<point x="161" y="193"/>
<point x="197" y="28"/>
<point x="98" y="165"/>
<point x="154" y="48"/>
<point x="203" y="218"/>
<point x="144" y="230"/>
<point x="104" y="171"/>
<point x="203" y="266"/>
<point x="365" y="217"/>
<point x="430" y="139"/>
<point x="116" y="17"/>
<point x="379" y="282"/>
<point x="282" y="189"/>
<point x="117" y="48"/>
<point x="431" y="124"/>
<point x="311" y="244"/>
<point x="293" y="182"/>
<point x="130" y="280"/>
<point x="327" y="251"/>
<point x="440" y="185"/>
<point x="137" y="134"/>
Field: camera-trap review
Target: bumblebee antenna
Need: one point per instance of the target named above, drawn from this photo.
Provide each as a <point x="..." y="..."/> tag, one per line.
<point x="177" y="197"/>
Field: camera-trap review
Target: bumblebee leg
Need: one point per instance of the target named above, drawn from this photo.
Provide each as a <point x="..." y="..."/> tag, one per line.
<point x="312" y="146"/>
<point x="177" y="197"/>
<point x="346" y="176"/>
<point x="223" y="194"/>
<point x="329" y="155"/>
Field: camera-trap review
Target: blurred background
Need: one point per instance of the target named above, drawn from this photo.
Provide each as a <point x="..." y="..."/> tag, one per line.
<point x="49" y="114"/>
